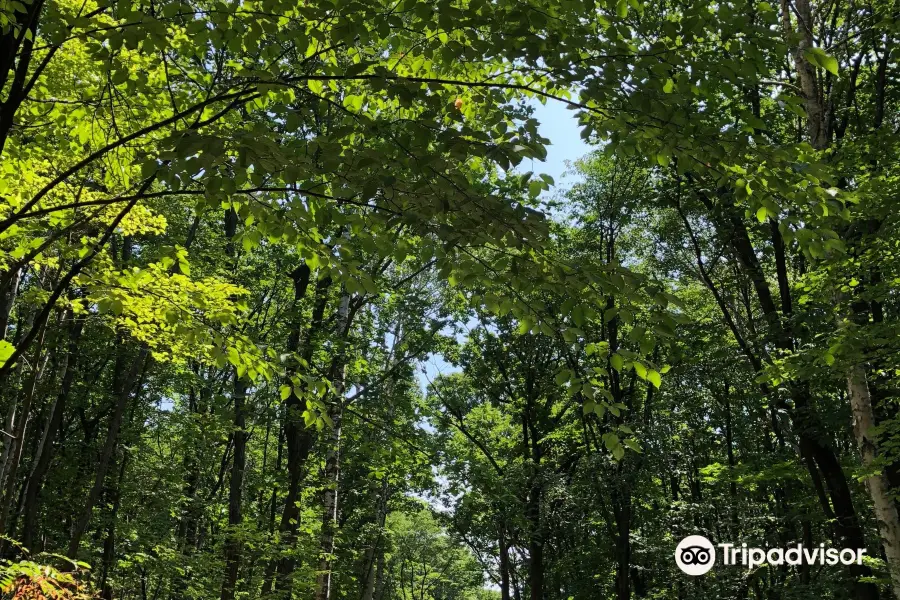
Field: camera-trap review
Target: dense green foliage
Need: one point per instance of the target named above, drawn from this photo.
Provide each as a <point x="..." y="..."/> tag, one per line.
<point x="234" y="235"/>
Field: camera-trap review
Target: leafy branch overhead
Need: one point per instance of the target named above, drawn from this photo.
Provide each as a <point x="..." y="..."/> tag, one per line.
<point x="288" y="308"/>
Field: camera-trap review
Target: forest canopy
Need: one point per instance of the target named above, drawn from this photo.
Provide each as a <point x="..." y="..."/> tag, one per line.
<point x="288" y="310"/>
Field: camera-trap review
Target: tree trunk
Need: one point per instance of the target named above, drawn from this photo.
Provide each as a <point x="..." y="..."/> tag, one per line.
<point x="17" y="443"/>
<point x="9" y="298"/>
<point x="815" y="110"/>
<point x="112" y="436"/>
<point x="622" y="507"/>
<point x="235" y="489"/>
<point x="379" y="577"/>
<point x="109" y="544"/>
<point x="330" y="516"/>
<point x="376" y="549"/>
<point x="298" y="438"/>
<point x="815" y="451"/>
<point x="877" y="484"/>
<point x="504" y="564"/>
<point x="45" y="450"/>
<point x="536" y="567"/>
<point x="536" y="538"/>
<point x="333" y="459"/>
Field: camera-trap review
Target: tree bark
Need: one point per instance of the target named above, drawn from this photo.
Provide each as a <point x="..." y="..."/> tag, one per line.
<point x="109" y="543"/>
<point x="45" y="450"/>
<point x="235" y="490"/>
<point x="376" y="549"/>
<point x="504" y="564"/>
<point x="622" y="508"/>
<point x="9" y="299"/>
<point x="533" y="514"/>
<point x="112" y="437"/>
<point x="14" y="458"/>
<point x="808" y="428"/>
<point x="333" y="460"/>
<point x="298" y="437"/>
<point x="877" y="484"/>
<point x="379" y="577"/>
<point x="815" y="109"/>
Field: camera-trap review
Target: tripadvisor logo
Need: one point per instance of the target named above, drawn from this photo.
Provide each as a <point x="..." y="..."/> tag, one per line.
<point x="696" y="555"/>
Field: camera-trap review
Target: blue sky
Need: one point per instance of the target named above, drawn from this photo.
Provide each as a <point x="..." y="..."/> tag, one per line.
<point x="559" y="125"/>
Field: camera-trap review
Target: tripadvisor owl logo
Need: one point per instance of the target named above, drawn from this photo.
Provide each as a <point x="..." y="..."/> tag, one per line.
<point x="696" y="555"/>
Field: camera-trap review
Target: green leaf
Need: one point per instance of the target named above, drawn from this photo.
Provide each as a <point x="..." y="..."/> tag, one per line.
<point x="525" y="326"/>
<point x="617" y="362"/>
<point x="654" y="377"/>
<point x="233" y="356"/>
<point x="821" y="59"/>
<point x="6" y="350"/>
<point x="611" y="441"/>
<point x="641" y="370"/>
<point x="316" y="86"/>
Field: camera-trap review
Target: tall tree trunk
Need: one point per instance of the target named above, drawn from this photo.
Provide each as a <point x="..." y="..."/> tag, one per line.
<point x="847" y="523"/>
<point x="817" y="135"/>
<point x="333" y="459"/>
<point x="861" y="398"/>
<point x="126" y="387"/>
<point x="877" y="484"/>
<point x="379" y="577"/>
<point x="807" y="424"/>
<point x="536" y="566"/>
<point x="198" y="402"/>
<point x="622" y="509"/>
<point x="376" y="548"/>
<point x="17" y="443"/>
<point x="503" y="545"/>
<point x="806" y="72"/>
<point x="298" y="438"/>
<point x="729" y="442"/>
<point x="533" y="514"/>
<point x="239" y="441"/>
<point x="44" y="454"/>
<point x="235" y="489"/>
<point x="109" y="543"/>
